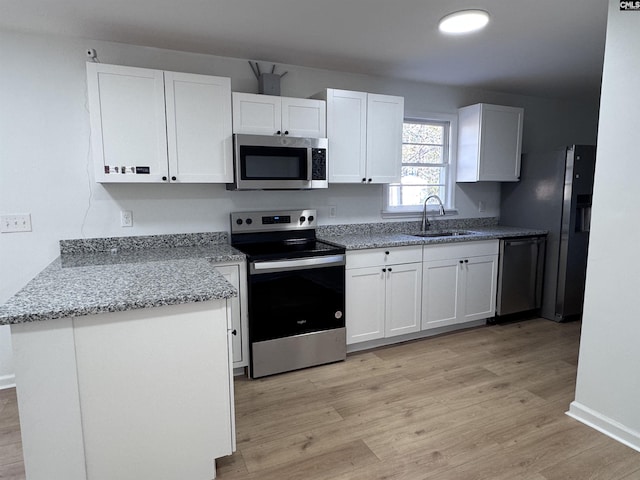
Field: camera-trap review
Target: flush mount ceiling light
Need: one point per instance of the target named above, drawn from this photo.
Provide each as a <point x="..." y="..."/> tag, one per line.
<point x="464" y="21"/>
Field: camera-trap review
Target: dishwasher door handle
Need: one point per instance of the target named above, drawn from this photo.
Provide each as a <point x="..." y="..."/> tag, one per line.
<point x="515" y="243"/>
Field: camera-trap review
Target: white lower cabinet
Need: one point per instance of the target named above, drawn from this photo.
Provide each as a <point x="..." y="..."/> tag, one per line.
<point x="383" y="293"/>
<point x="144" y="393"/>
<point x="403" y="299"/>
<point x="236" y="275"/>
<point x="365" y="304"/>
<point x="459" y="283"/>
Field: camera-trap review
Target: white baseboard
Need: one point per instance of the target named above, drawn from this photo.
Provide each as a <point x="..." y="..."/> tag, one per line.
<point x="604" y="424"/>
<point x="7" y="381"/>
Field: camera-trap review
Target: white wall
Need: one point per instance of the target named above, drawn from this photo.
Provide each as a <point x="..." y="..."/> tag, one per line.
<point x="608" y="388"/>
<point x="45" y="158"/>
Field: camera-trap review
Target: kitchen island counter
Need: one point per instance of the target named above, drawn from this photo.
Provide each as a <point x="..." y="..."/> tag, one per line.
<point x="107" y="343"/>
<point x="89" y="282"/>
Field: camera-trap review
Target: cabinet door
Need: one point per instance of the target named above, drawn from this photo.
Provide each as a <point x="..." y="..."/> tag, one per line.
<point x="125" y="361"/>
<point x="489" y="143"/>
<point x="304" y="117"/>
<point x="478" y="298"/>
<point x="347" y="133"/>
<point x="232" y="275"/>
<point x="365" y="304"/>
<point x="500" y="143"/>
<point x="256" y="114"/>
<point x="441" y="293"/>
<point x="403" y="299"/>
<point x="128" y="128"/>
<point x="385" y="115"/>
<point x="199" y="128"/>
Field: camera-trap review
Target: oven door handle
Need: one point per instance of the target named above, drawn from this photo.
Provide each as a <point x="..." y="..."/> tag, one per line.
<point x="272" y="266"/>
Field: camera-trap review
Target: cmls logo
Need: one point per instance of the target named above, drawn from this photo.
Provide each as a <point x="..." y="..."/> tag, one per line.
<point x="624" y="5"/>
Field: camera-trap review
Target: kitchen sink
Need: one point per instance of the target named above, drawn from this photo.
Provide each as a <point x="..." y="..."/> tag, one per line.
<point x="441" y="234"/>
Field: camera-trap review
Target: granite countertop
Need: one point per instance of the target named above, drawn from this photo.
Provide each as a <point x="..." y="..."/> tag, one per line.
<point x="363" y="240"/>
<point x="116" y="274"/>
<point x="86" y="282"/>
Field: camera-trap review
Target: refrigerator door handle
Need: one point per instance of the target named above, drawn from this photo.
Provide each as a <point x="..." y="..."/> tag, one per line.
<point x="542" y="251"/>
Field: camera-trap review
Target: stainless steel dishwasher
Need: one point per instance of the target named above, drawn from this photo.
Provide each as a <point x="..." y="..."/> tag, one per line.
<point x="520" y="275"/>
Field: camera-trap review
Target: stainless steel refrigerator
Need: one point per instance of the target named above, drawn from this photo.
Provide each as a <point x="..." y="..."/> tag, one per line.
<point x="554" y="193"/>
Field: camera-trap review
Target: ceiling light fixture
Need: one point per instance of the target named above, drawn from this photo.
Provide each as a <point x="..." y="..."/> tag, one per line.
<point x="464" y="21"/>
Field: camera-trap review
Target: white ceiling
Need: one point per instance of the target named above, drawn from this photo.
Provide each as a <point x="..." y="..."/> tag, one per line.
<point x="551" y="48"/>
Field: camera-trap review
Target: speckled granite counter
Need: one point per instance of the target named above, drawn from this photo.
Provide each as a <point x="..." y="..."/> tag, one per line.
<point x="85" y="280"/>
<point x="363" y="239"/>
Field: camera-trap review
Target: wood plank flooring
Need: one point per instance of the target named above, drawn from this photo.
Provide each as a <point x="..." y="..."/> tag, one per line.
<point x="486" y="403"/>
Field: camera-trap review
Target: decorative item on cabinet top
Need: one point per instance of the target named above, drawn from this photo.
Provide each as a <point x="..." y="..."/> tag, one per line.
<point x="154" y="126"/>
<point x="268" y="83"/>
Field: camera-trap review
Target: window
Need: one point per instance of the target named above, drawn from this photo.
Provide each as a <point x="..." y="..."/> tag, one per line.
<point x="426" y="165"/>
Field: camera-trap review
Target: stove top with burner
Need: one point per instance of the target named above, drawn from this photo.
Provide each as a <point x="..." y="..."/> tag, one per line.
<point x="279" y="234"/>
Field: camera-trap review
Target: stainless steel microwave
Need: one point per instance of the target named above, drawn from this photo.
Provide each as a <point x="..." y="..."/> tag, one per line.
<point x="265" y="162"/>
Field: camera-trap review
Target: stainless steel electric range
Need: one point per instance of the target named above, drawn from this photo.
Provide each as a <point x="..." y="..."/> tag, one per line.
<point x="295" y="292"/>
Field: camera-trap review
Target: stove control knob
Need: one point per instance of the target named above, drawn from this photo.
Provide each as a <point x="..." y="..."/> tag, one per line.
<point x="310" y="218"/>
<point x="302" y="219"/>
<point x="239" y="221"/>
<point x="249" y="221"/>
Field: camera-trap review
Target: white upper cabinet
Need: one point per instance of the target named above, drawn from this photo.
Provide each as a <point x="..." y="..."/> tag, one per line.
<point x="347" y="134"/>
<point x="139" y="137"/>
<point x="365" y="136"/>
<point x="271" y="115"/>
<point x="257" y="114"/>
<point x="128" y="126"/>
<point x="199" y="128"/>
<point x="489" y="143"/>
<point x="385" y="115"/>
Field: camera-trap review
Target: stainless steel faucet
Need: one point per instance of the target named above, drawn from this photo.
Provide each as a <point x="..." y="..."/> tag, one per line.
<point x="425" y="222"/>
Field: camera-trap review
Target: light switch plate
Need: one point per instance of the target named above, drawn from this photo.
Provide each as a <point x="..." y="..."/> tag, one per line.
<point x="15" y="223"/>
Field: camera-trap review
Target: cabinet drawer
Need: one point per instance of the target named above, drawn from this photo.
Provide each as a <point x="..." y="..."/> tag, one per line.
<point x="460" y="250"/>
<point x="384" y="256"/>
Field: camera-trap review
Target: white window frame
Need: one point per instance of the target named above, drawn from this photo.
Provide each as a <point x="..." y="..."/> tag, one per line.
<point x="450" y="181"/>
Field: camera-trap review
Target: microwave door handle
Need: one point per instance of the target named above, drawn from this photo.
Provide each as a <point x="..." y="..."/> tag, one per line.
<point x="309" y="164"/>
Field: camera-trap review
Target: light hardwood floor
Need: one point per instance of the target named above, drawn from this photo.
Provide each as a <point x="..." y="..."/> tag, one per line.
<point x="481" y="404"/>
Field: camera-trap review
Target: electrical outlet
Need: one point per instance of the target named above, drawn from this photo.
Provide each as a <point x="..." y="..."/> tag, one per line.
<point x="15" y="223"/>
<point x="126" y="218"/>
<point x="482" y="206"/>
<point x="333" y="211"/>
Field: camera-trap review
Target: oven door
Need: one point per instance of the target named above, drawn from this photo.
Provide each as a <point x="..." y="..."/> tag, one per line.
<point x="295" y="296"/>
